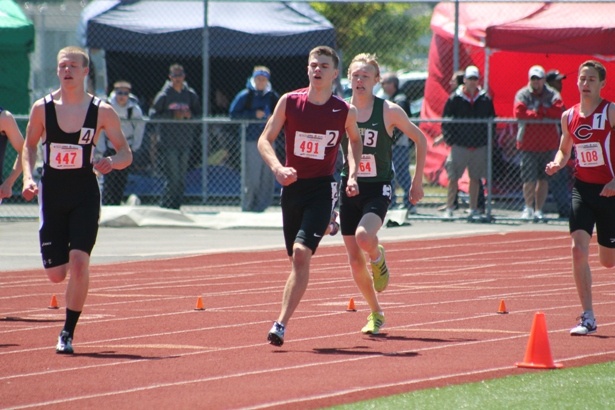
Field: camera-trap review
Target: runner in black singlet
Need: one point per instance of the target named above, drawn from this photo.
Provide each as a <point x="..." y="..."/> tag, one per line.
<point x="68" y="123"/>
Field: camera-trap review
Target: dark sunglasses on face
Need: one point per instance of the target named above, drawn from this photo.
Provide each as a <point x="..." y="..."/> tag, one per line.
<point x="177" y="75"/>
<point x="124" y="93"/>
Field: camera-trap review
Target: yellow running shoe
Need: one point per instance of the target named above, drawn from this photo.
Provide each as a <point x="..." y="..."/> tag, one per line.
<point x="374" y="322"/>
<point x="380" y="272"/>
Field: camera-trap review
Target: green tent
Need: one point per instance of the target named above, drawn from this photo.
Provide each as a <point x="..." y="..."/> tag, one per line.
<point x="16" y="41"/>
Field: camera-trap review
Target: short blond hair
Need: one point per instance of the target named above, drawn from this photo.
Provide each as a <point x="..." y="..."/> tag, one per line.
<point x="122" y="84"/>
<point x="366" y="58"/>
<point x="75" y="50"/>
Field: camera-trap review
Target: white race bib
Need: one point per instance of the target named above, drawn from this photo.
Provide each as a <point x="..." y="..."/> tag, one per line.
<point x="310" y="145"/>
<point x="589" y="154"/>
<point x="65" y="156"/>
<point x="367" y="166"/>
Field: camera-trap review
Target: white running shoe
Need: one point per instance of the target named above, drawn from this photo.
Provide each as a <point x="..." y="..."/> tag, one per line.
<point x="527" y="214"/>
<point x="65" y="343"/>
<point x="276" y="334"/>
<point x="586" y="326"/>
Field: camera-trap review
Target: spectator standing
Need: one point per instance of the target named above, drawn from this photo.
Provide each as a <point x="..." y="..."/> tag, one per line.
<point x="561" y="182"/>
<point x="68" y="123"/>
<point x="588" y="127"/>
<point x="401" y="148"/>
<point x="127" y="107"/>
<point x="536" y="142"/>
<point x="178" y="102"/>
<point x="455" y="82"/>
<point x="256" y="102"/>
<point x="9" y="132"/>
<point x="314" y="122"/>
<point x="362" y="216"/>
<point x="554" y="79"/>
<point x="468" y="141"/>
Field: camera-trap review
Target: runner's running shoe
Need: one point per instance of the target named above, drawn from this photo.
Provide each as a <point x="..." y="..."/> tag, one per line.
<point x="374" y="322"/>
<point x="276" y="334"/>
<point x="380" y="272"/>
<point x="65" y="343"/>
<point x="586" y="326"/>
<point x="334" y="227"/>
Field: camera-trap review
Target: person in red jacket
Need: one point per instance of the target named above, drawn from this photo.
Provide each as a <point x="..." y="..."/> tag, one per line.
<point x="537" y="140"/>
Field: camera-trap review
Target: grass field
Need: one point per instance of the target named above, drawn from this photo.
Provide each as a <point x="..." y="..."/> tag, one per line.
<point x="589" y="387"/>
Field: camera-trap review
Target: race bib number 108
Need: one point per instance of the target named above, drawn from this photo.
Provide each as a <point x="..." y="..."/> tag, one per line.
<point x="589" y="154"/>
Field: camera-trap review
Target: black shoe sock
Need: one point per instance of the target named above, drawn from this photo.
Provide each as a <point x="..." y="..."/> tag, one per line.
<point x="71" y="321"/>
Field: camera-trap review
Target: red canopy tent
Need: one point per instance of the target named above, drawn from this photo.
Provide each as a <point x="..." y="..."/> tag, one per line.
<point x="504" y="40"/>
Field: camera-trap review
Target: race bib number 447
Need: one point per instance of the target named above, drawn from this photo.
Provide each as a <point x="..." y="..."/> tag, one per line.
<point x="65" y="156"/>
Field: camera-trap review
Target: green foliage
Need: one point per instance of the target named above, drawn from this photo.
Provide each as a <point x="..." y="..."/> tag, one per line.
<point x="389" y="30"/>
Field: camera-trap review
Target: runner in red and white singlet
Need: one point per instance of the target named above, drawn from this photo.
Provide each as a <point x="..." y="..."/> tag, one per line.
<point x="588" y="127"/>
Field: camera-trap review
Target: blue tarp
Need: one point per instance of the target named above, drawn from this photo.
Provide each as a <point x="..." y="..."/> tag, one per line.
<point x="236" y="29"/>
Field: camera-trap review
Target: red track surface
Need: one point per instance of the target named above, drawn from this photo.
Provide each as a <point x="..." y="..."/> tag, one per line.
<point x="141" y="344"/>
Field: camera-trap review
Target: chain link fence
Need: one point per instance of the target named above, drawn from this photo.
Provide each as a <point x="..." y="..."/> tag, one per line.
<point x="137" y="41"/>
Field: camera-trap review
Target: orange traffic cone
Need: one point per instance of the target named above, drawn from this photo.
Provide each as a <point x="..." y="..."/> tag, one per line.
<point x="54" y="303"/>
<point x="538" y="351"/>
<point x="502" y="308"/>
<point x="351" y="307"/>
<point x="199" y="304"/>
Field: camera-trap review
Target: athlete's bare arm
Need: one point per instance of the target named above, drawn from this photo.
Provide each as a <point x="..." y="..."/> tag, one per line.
<point x="284" y="175"/>
<point x="396" y="117"/>
<point x="8" y="125"/>
<point x="355" y="150"/>
<point x="565" y="148"/>
<point x="35" y="132"/>
<point x="110" y="122"/>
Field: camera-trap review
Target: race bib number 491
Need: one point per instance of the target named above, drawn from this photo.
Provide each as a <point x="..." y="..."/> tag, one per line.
<point x="309" y="145"/>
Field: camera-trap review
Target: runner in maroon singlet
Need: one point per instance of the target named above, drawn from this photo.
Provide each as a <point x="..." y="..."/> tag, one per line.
<point x="314" y="121"/>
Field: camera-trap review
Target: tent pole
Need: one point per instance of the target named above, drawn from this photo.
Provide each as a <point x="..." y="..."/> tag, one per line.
<point x="205" y="105"/>
<point x="490" y="138"/>
<point x="456" y="39"/>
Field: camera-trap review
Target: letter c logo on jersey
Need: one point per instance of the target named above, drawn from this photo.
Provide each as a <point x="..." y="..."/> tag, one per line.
<point x="583" y="132"/>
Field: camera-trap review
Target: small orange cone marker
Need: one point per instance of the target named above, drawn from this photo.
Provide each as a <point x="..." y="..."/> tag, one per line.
<point x="538" y="351"/>
<point x="502" y="308"/>
<point x="54" y="303"/>
<point x="351" y="307"/>
<point x="199" y="304"/>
